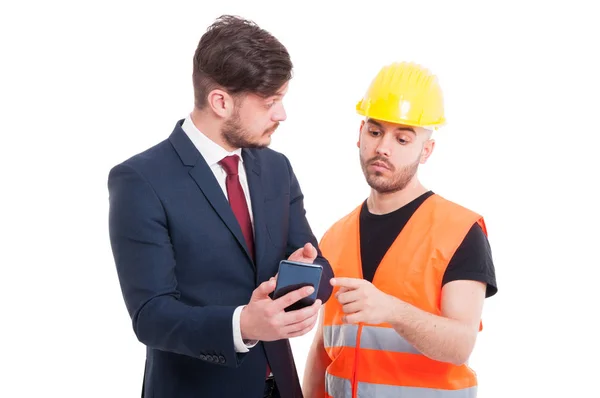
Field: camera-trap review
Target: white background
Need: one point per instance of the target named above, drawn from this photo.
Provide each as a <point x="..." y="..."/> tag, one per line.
<point x="84" y="85"/>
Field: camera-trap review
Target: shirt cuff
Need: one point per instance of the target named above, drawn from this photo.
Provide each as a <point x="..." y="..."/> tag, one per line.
<point x="240" y="344"/>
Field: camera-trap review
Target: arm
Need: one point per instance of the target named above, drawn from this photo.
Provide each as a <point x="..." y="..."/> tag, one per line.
<point x="451" y="336"/>
<point x="300" y="233"/>
<point x="313" y="385"/>
<point x="447" y="338"/>
<point x="145" y="264"/>
<point x="469" y="277"/>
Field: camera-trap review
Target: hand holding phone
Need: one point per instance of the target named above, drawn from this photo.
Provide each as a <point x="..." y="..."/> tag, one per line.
<point x="266" y="319"/>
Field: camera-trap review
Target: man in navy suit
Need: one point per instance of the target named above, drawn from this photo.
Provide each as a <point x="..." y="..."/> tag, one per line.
<point x="199" y="223"/>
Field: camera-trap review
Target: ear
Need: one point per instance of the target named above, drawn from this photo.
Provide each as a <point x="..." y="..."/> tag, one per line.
<point x="221" y="103"/>
<point x="428" y="147"/>
<point x="362" y="124"/>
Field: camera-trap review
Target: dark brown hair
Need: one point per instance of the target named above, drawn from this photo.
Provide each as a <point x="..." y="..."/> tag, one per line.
<point x="238" y="56"/>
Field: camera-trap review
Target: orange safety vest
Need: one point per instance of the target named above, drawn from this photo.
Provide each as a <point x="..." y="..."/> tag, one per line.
<point x="374" y="360"/>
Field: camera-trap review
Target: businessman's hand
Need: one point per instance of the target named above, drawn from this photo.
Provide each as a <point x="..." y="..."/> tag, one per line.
<point x="362" y="302"/>
<point x="265" y="319"/>
<point x="306" y="254"/>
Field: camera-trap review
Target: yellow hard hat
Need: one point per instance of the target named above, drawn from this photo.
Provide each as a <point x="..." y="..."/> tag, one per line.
<point x="404" y="93"/>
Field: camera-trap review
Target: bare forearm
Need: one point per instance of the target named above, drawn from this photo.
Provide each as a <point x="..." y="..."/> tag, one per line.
<point x="313" y="385"/>
<point x="439" y="338"/>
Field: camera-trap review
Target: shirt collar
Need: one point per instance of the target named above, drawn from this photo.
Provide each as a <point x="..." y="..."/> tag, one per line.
<point x="210" y="150"/>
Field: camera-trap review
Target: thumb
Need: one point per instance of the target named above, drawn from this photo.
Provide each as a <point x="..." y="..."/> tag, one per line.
<point x="309" y="251"/>
<point x="264" y="289"/>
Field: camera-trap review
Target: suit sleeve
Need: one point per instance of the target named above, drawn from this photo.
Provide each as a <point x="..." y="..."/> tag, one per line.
<point x="300" y="233"/>
<point x="145" y="263"/>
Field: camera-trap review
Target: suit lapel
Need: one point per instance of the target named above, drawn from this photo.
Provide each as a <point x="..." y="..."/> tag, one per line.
<point x="206" y="181"/>
<point x="253" y="174"/>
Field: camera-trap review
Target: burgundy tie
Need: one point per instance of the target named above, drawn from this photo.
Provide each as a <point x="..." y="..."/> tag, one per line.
<point x="237" y="200"/>
<point x="238" y="204"/>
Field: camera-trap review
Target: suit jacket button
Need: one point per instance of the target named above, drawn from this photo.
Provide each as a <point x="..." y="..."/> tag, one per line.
<point x="221" y="359"/>
<point x="203" y="357"/>
<point x="215" y="358"/>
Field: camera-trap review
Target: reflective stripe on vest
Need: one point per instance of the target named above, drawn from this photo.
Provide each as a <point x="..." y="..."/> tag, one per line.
<point x="372" y="337"/>
<point x="337" y="387"/>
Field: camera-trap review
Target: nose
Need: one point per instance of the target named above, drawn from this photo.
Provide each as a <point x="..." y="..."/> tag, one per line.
<point x="279" y="114"/>
<point x="384" y="146"/>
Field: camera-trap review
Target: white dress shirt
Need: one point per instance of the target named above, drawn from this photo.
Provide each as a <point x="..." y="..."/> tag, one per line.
<point x="213" y="153"/>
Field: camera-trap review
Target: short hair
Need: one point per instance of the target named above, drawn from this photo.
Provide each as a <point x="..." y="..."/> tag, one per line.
<point x="235" y="54"/>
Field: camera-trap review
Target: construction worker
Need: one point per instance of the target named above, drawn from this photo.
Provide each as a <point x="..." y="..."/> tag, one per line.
<point x="409" y="291"/>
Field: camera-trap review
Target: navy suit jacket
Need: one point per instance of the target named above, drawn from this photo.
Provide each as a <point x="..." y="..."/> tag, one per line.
<point x="184" y="267"/>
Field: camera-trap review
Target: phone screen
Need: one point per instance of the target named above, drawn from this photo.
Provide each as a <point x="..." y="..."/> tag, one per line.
<point x="293" y="276"/>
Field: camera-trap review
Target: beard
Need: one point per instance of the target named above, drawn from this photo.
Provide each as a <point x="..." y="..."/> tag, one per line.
<point x="397" y="182"/>
<point x="238" y="137"/>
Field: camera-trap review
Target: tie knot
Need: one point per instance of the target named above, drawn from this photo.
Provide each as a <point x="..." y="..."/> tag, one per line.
<point x="230" y="164"/>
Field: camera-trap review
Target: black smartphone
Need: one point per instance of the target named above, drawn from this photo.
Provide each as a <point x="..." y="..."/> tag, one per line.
<point x="294" y="275"/>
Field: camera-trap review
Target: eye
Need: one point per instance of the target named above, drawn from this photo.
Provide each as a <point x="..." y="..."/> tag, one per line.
<point x="271" y="103"/>
<point x="375" y="133"/>
<point x="402" y="141"/>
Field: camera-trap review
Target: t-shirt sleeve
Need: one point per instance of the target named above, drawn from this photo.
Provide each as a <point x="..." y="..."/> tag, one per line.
<point x="473" y="261"/>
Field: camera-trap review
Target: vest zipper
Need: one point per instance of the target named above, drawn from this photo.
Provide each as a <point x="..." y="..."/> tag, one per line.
<point x="356" y="356"/>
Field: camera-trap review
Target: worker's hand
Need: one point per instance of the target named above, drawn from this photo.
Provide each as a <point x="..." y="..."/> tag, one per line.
<point x="306" y="254"/>
<point x="362" y="302"/>
<point x="265" y="319"/>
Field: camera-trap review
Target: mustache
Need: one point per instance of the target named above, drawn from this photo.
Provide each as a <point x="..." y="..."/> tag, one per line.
<point x="270" y="130"/>
<point x="381" y="159"/>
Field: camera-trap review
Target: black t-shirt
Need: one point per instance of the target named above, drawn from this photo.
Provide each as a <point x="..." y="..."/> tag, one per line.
<point x="471" y="261"/>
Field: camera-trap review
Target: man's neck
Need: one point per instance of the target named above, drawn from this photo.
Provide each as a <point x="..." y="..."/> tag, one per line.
<point x="384" y="203"/>
<point x="210" y="128"/>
